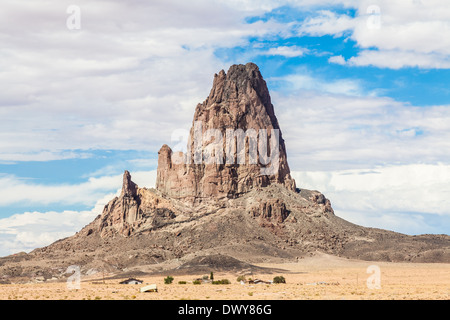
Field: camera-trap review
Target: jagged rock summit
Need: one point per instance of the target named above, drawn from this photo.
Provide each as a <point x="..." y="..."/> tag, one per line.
<point x="230" y="193"/>
<point x="235" y="143"/>
<point x="235" y="146"/>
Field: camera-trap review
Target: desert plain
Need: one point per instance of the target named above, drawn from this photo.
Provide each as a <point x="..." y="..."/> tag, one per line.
<point x="320" y="277"/>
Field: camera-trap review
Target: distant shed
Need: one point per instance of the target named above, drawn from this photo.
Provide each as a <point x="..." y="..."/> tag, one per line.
<point x="257" y="281"/>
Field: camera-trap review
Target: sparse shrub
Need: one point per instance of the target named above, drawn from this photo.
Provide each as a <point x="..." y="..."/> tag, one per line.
<point x="196" y="282"/>
<point x="241" y="278"/>
<point x="168" y="280"/>
<point x="279" y="279"/>
<point x="223" y="281"/>
<point x="181" y="282"/>
<point x="205" y="277"/>
<point x="211" y="276"/>
<point x="250" y="294"/>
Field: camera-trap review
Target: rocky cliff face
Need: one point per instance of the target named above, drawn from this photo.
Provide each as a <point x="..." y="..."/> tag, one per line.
<point x="235" y="143"/>
<point x="134" y="209"/>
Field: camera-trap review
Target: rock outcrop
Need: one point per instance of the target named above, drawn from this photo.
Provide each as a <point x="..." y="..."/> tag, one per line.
<point x="273" y="210"/>
<point x="129" y="188"/>
<point x="133" y="209"/>
<point x="235" y="143"/>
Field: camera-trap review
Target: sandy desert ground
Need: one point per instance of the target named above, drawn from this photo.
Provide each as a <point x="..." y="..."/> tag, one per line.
<point x="318" y="277"/>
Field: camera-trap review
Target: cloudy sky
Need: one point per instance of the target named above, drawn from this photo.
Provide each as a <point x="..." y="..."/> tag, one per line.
<point x="91" y="88"/>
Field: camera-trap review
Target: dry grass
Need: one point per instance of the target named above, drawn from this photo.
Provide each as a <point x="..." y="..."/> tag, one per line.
<point x="321" y="277"/>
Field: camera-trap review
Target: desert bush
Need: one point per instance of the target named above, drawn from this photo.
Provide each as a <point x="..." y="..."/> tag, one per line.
<point x="223" y="281"/>
<point x="196" y="282"/>
<point x="241" y="278"/>
<point x="279" y="279"/>
<point x="181" y="282"/>
<point x="168" y="280"/>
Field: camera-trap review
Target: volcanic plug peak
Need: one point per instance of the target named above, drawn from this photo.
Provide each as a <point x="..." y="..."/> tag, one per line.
<point x="235" y="143"/>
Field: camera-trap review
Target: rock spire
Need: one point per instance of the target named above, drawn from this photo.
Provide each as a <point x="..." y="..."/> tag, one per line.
<point x="235" y="143"/>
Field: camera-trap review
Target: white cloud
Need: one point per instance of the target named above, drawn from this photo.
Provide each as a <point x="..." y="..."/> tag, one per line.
<point x="43" y="155"/>
<point x="336" y="131"/>
<point x="419" y="26"/>
<point x="337" y="59"/>
<point x="104" y="86"/>
<point x="304" y="80"/>
<point x="407" y="223"/>
<point x="145" y="179"/>
<point x="285" y="51"/>
<point x="396" y="59"/>
<point x="396" y="197"/>
<point x="268" y="5"/>
<point x="404" y="33"/>
<point x="21" y="191"/>
<point x="327" y="22"/>
<point x="29" y="230"/>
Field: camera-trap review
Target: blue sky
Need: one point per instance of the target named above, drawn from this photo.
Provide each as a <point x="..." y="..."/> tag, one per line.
<point x="416" y="86"/>
<point x="360" y="89"/>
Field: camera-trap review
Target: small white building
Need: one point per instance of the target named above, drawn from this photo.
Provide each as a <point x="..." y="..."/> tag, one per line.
<point x="131" y="281"/>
